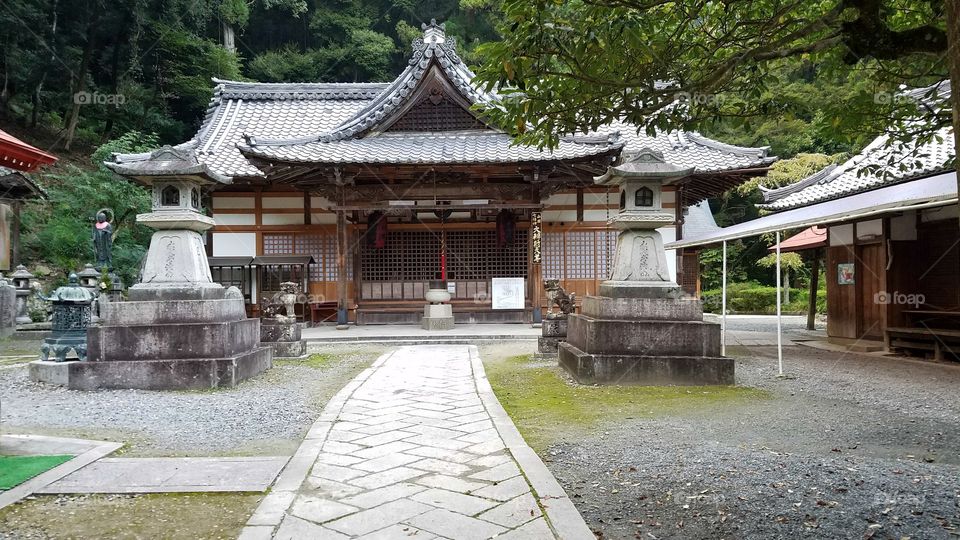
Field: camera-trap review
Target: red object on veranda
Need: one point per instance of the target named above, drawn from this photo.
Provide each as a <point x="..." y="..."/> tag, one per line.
<point x="19" y="155"/>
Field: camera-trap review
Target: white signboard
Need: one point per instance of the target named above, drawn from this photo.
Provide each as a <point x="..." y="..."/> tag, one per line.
<point x="508" y="293"/>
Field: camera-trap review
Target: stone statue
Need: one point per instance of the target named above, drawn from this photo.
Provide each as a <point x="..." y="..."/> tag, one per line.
<point x="103" y="242"/>
<point x="282" y="306"/>
<point x="556" y="296"/>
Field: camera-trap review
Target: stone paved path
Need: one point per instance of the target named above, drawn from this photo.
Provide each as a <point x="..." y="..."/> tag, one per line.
<point x="417" y="446"/>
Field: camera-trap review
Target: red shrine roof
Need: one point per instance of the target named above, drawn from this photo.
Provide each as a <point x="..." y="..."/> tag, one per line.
<point x="18" y="155"/>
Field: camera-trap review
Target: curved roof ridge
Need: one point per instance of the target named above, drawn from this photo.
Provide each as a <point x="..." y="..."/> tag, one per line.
<point x="697" y="138"/>
<point x="773" y="194"/>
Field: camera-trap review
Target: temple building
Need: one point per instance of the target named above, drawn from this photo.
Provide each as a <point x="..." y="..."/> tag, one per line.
<point x="365" y="192"/>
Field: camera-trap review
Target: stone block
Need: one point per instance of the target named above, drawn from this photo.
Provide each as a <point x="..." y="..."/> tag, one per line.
<point x="288" y="349"/>
<point x="437" y="323"/>
<point x="8" y="310"/>
<point x="644" y="337"/>
<point x="171" y="312"/>
<point x="554" y="327"/>
<point x="272" y="330"/>
<point x="172" y="341"/>
<point x="648" y="309"/>
<point x="548" y="345"/>
<point x="645" y="370"/>
<point x="640" y="289"/>
<point x="173" y="374"/>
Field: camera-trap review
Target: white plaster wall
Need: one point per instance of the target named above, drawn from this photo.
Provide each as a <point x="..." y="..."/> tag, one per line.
<point x="234" y="202"/>
<point x="323" y="219"/>
<point x="282" y="202"/>
<point x="841" y="235"/>
<point x="234" y="244"/>
<point x="282" y="219"/>
<point x="318" y="203"/>
<point x="234" y="219"/>
<point x="904" y="226"/>
<point x="869" y="229"/>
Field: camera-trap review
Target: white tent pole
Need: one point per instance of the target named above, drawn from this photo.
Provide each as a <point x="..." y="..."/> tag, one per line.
<point x="779" y="324"/>
<point x="723" y="305"/>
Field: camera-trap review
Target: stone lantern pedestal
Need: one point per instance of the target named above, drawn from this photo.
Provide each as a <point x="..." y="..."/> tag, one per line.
<point x="438" y="313"/>
<point x="178" y="329"/>
<point x="641" y="330"/>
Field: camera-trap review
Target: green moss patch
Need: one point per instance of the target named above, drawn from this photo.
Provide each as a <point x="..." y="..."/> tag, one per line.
<point x="546" y="405"/>
<point x="15" y="470"/>
<point x="317" y="361"/>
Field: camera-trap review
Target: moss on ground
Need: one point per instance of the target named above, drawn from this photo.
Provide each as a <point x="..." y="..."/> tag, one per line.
<point x="546" y="405"/>
<point x="169" y="516"/>
<point x="316" y="360"/>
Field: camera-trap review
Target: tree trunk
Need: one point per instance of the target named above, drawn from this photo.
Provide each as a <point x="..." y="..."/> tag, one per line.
<point x="229" y="37"/>
<point x="814" y="285"/>
<point x="80" y="84"/>
<point x="952" y="10"/>
<point x="786" y="285"/>
<point x="38" y="88"/>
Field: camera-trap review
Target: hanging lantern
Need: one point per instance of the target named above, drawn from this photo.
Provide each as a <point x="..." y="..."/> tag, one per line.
<point x="377" y="230"/>
<point x="506" y="226"/>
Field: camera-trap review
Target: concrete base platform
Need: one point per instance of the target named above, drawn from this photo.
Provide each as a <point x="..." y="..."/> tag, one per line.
<point x="171" y="475"/>
<point x="437" y="323"/>
<point x="645" y="370"/>
<point x="179" y="374"/>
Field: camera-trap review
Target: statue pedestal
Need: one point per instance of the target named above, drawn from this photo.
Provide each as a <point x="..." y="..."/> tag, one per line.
<point x="437" y="317"/>
<point x="284" y="337"/>
<point x="651" y="341"/>
<point x="552" y="333"/>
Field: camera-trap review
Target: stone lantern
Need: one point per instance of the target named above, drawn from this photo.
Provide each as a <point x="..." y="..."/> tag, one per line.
<point x="640" y="329"/>
<point x="71" y="318"/>
<point x="21" y="282"/>
<point x="89" y="277"/>
<point x="177" y="329"/>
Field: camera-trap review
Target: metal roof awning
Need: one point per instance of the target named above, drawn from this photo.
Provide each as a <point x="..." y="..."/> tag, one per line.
<point x="927" y="192"/>
<point x="267" y="260"/>
<point x="229" y="261"/>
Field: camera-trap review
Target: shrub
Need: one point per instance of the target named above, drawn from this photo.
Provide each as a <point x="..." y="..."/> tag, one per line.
<point x="751" y="297"/>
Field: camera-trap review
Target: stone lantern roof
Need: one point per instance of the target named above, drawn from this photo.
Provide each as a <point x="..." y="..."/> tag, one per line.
<point x="646" y="164"/>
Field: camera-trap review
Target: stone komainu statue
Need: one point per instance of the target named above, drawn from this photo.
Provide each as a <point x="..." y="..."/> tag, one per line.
<point x="556" y="296"/>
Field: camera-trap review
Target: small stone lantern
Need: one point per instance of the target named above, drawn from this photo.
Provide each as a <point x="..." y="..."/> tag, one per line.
<point x="71" y="318"/>
<point x="21" y="282"/>
<point x="89" y="277"/>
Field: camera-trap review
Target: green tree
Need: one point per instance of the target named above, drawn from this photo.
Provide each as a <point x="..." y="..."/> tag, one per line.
<point x="58" y="232"/>
<point x="574" y="66"/>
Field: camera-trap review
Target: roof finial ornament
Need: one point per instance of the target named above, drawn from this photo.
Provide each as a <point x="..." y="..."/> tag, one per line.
<point x="433" y="32"/>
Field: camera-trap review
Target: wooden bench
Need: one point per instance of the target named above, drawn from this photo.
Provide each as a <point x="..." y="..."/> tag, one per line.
<point x="322" y="312"/>
<point x="937" y="340"/>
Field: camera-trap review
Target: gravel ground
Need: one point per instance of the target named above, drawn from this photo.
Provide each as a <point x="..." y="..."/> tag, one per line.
<point x="267" y="415"/>
<point x="853" y="447"/>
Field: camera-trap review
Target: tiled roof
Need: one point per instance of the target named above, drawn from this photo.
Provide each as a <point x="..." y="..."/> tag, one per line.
<point x="690" y="149"/>
<point x="699" y="221"/>
<point x="445" y="147"/>
<point x="324" y="122"/>
<point x="17" y="185"/>
<point x="876" y="166"/>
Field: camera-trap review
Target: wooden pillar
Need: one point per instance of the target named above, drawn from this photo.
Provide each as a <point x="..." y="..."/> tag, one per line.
<point x="15" y="237"/>
<point x="814" y="285"/>
<point x="341" y="269"/>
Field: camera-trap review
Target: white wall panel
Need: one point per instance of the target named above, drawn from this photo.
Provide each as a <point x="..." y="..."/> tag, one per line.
<point x="234" y="219"/>
<point x="282" y="219"/>
<point x="234" y="202"/>
<point x="234" y="244"/>
<point x="282" y="202"/>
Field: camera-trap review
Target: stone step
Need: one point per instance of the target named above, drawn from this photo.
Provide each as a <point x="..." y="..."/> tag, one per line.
<point x="172" y="341"/>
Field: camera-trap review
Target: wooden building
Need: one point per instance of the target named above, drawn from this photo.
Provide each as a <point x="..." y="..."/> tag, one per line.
<point x="391" y="185"/>
<point x="892" y="247"/>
